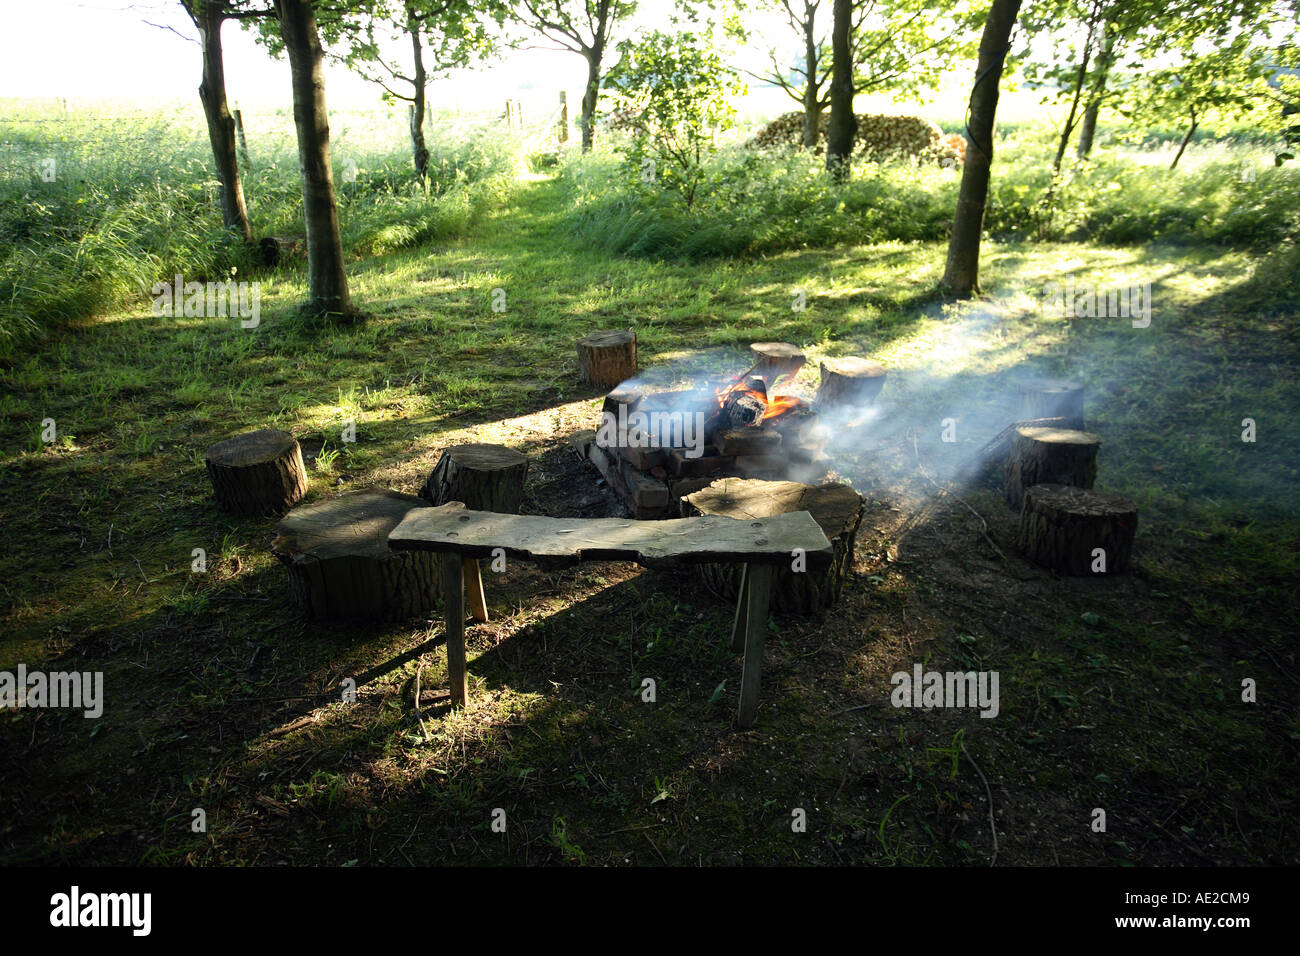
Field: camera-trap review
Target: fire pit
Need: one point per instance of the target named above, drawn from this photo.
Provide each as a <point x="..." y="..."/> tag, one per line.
<point x="655" y="446"/>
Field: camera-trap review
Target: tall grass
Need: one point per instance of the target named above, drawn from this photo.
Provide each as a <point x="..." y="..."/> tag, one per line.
<point x="756" y="203"/>
<point x="134" y="200"/>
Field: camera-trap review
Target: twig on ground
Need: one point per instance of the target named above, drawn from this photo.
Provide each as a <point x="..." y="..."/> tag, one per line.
<point x="993" y="827"/>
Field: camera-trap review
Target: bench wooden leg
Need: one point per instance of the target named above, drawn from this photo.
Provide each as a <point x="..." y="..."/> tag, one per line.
<point x="474" y="587"/>
<point x="453" y="593"/>
<point x="742" y="610"/>
<point x="756" y="591"/>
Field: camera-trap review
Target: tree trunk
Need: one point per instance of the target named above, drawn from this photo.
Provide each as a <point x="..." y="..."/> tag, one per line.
<point x="1186" y="139"/>
<point x="961" y="273"/>
<point x="327" y="279"/>
<point x="812" y="107"/>
<point x="419" y="152"/>
<point x="843" y="126"/>
<point x="221" y="125"/>
<point x="1089" y="128"/>
<point x="1070" y="121"/>
<point x="590" y="95"/>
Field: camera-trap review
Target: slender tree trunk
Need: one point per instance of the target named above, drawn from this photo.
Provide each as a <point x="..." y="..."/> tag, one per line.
<point x="1088" y="131"/>
<point x="419" y="152"/>
<point x="591" y="94"/>
<point x="1070" y="119"/>
<point x="812" y="107"/>
<point x="961" y="273"/>
<point x="209" y="18"/>
<point x="843" y="125"/>
<point x="327" y="279"/>
<point x="1186" y="139"/>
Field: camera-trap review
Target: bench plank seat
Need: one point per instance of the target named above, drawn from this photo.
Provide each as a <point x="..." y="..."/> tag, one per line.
<point x="759" y="544"/>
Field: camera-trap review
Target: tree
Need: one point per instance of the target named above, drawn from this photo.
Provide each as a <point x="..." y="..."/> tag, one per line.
<point x="902" y="45"/>
<point x="671" y="90"/>
<point x="209" y="16"/>
<point x="442" y="35"/>
<point x="582" y="26"/>
<point x="843" y="125"/>
<point x="961" y="272"/>
<point x="326" y="277"/>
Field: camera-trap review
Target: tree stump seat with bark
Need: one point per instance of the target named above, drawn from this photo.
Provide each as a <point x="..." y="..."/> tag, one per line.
<point x="341" y="567"/>
<point x="1077" y="531"/>
<point x="850" y="383"/>
<point x="606" y="359"/>
<point x="257" y="473"/>
<point x="1051" y="398"/>
<point x="1045" y="455"/>
<point x="761" y="545"/>
<point x="836" y="508"/>
<point x="776" y="360"/>
<point x="482" y="477"/>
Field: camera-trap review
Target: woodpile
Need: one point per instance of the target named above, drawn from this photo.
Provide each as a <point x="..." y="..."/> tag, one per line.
<point x="340" y="566"/>
<point x="1077" y="531"/>
<point x="257" y="473"/>
<point x="879" y="137"/>
<point x="836" y="508"/>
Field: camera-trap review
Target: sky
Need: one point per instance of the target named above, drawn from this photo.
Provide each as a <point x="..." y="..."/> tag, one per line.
<point x="122" y="50"/>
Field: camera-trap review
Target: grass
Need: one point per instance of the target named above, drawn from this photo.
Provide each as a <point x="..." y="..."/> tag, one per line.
<point x="1121" y="694"/>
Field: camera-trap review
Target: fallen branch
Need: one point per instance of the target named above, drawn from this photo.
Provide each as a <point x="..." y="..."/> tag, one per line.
<point x="993" y="827"/>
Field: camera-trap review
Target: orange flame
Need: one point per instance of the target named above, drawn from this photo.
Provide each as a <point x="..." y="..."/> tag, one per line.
<point x="773" y="405"/>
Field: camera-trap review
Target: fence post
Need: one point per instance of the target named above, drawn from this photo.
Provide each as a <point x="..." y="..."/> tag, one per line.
<point x="564" y="117"/>
<point x="239" y="137"/>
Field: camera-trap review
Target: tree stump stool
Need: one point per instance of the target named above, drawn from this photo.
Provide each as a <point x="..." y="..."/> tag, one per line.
<point x="1049" y="456"/>
<point x="607" y="358"/>
<point x="850" y="382"/>
<point x="482" y="477"/>
<point x="1051" y="398"/>
<point x="774" y="360"/>
<point x="837" y="509"/>
<point x="257" y="473"/>
<point x="341" y="568"/>
<point x="1077" y="531"/>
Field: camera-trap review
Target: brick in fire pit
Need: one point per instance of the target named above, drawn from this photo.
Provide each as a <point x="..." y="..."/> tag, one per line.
<point x="761" y="466"/>
<point x="710" y="463"/>
<point x="749" y="441"/>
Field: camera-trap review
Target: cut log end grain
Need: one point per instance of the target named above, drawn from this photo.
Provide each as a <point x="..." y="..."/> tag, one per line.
<point x="340" y="566"/>
<point x="1077" y="531"/>
<point x="836" y="508"/>
<point x="776" y="360"/>
<point x="1051" y="398"/>
<point x="607" y="359"/>
<point x="259" y="472"/>
<point x="849" y="383"/>
<point x="483" y="477"/>
<point x="1049" y="456"/>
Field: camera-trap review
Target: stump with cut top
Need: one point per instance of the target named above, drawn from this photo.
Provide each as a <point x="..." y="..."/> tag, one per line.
<point x="480" y="476"/>
<point x="849" y="382"/>
<point x="836" y="508"/>
<point x="1055" y="398"/>
<point x="607" y="358"/>
<point x="774" y="360"/>
<point x="1049" y="456"/>
<point x="341" y="567"/>
<point x="1077" y="531"/>
<point x="257" y="473"/>
<point x="761" y="544"/>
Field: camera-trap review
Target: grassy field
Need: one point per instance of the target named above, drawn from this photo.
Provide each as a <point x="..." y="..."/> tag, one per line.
<point x="1122" y="694"/>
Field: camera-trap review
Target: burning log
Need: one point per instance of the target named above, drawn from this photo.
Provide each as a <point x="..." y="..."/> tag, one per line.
<point x="259" y="472"/>
<point x="837" y="509"/>
<point x="1077" y="531"/>
<point x="1056" y="456"/>
<point x="850" y="382"/>
<point x="774" y="360"/>
<point x="607" y="358"/>
<point x="1052" y="398"/>
<point x="483" y="477"/>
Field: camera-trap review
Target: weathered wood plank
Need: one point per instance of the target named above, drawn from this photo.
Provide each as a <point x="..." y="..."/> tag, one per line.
<point x="567" y="541"/>
<point x="453" y="586"/>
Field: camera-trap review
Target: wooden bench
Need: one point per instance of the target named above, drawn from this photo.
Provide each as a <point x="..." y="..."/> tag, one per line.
<point x="760" y="545"/>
